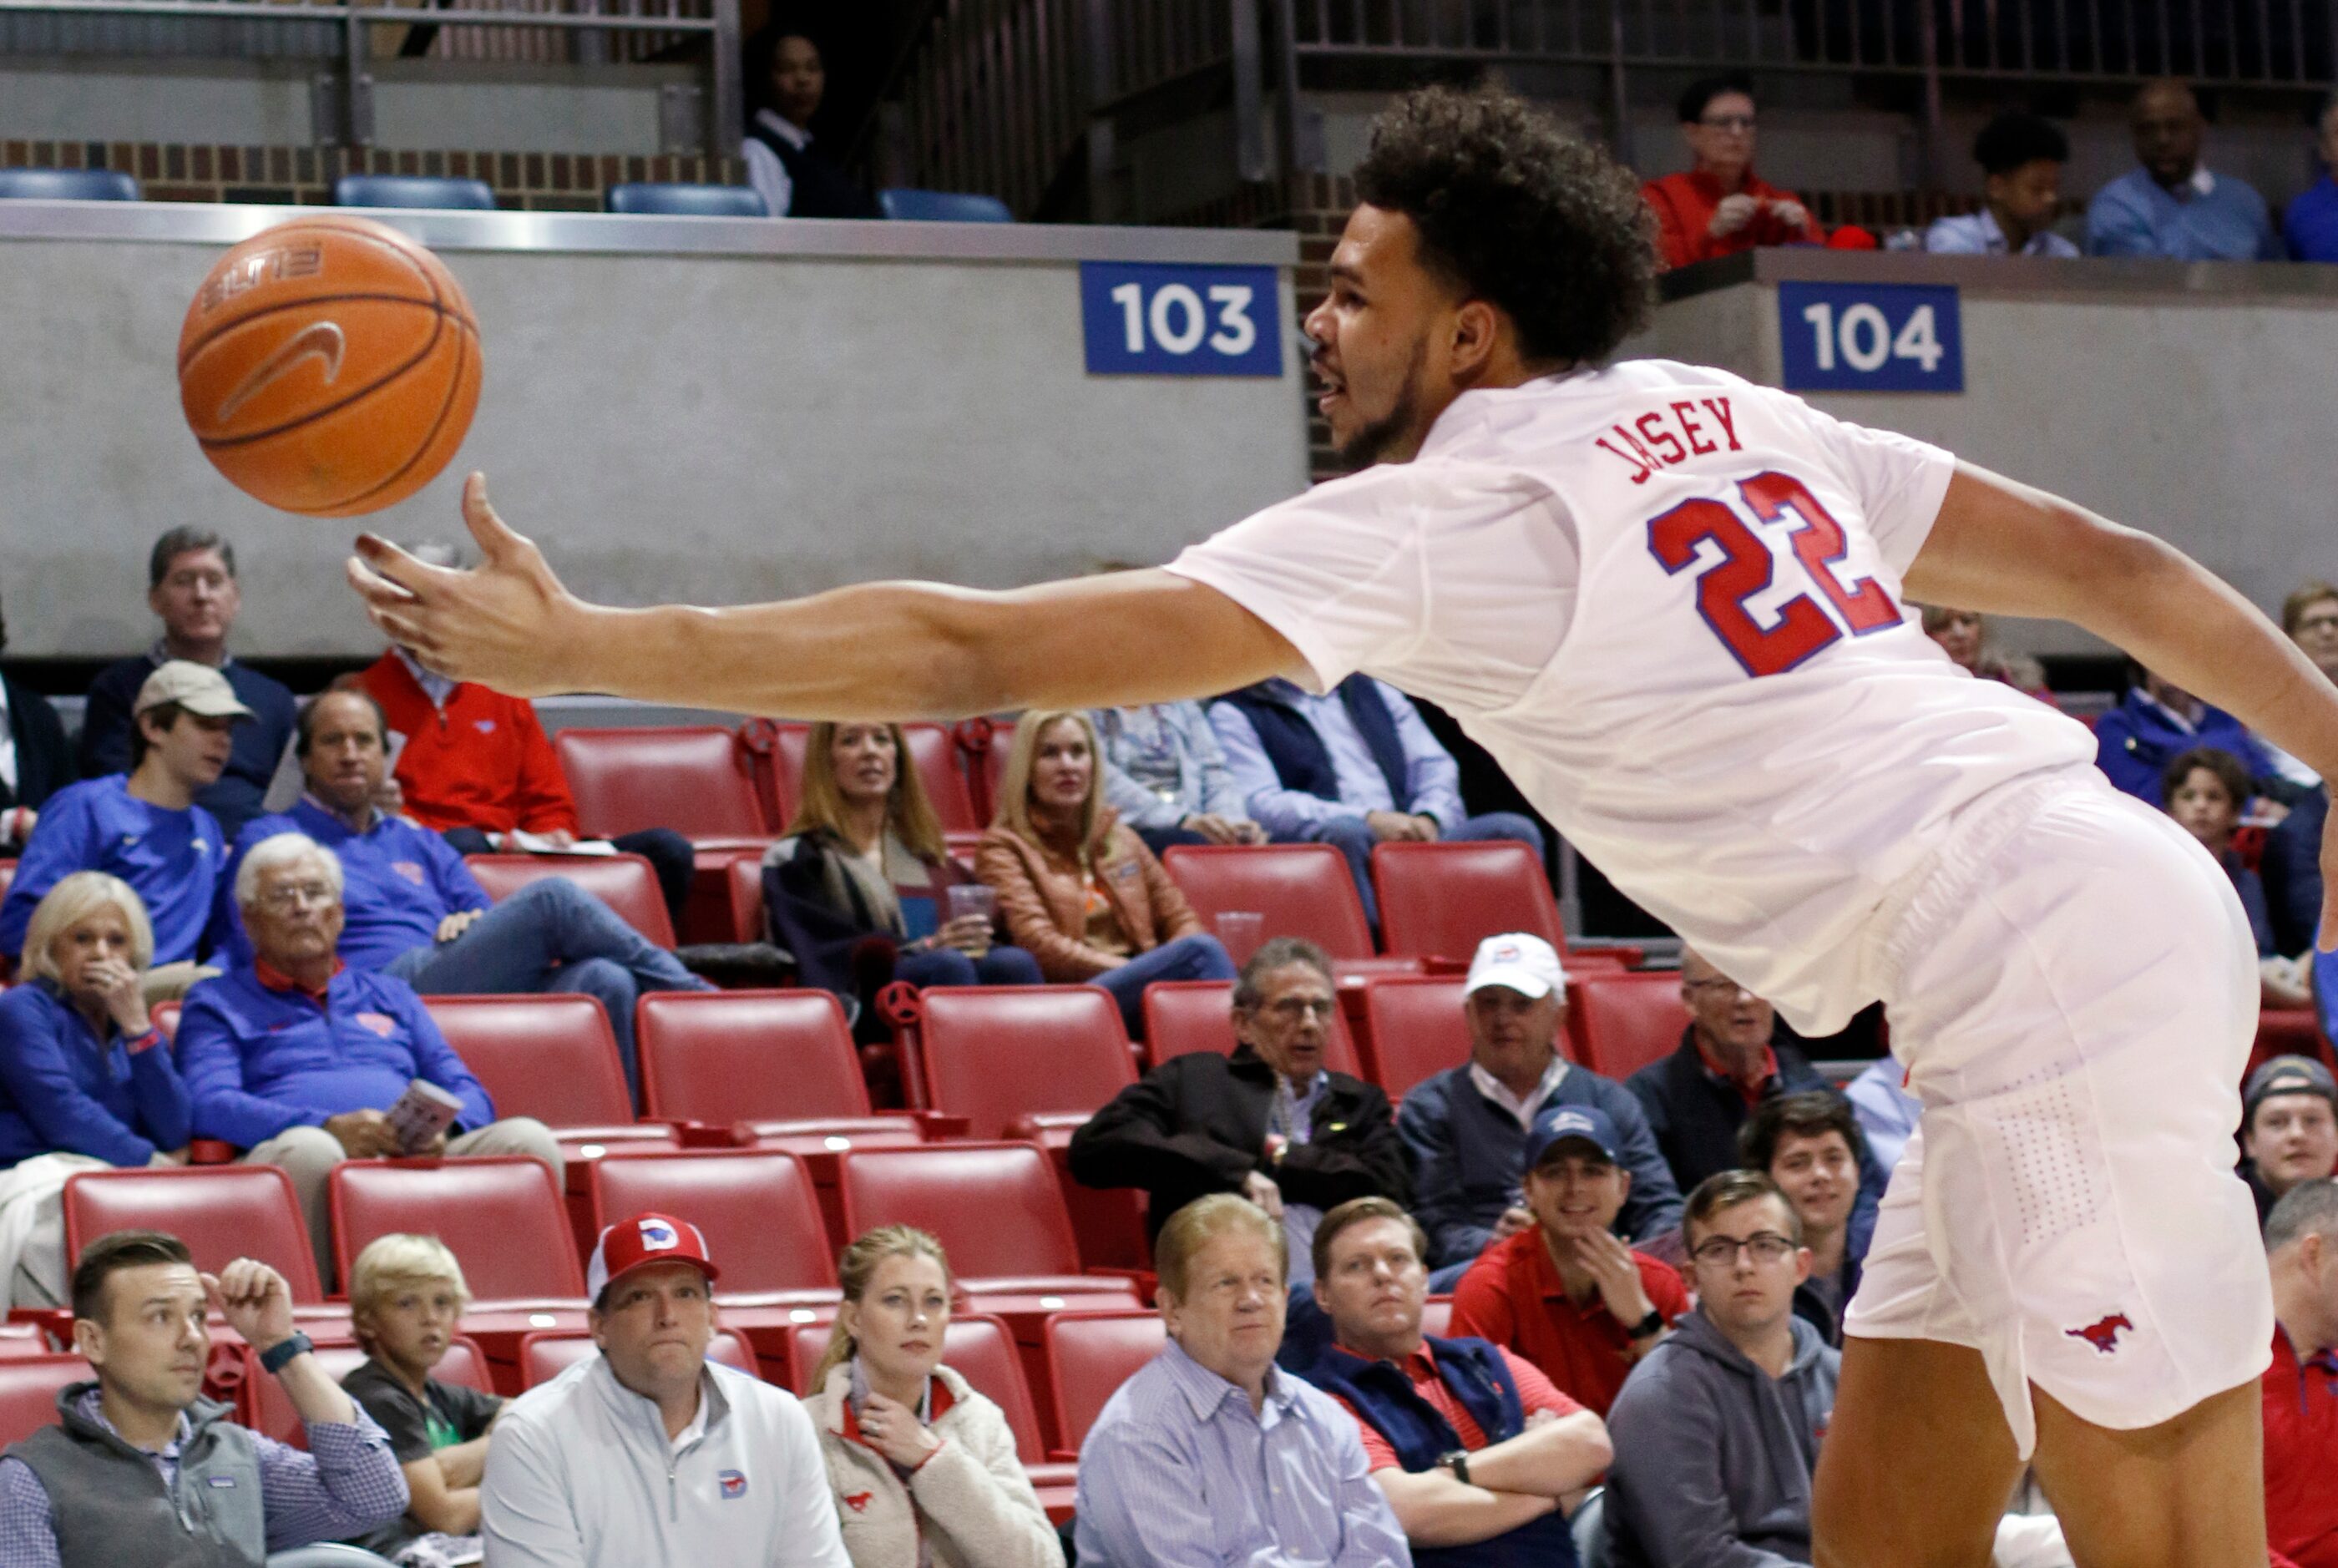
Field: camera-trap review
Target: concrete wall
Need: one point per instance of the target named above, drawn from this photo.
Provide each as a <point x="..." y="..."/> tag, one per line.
<point x="2187" y="400"/>
<point x="747" y="411"/>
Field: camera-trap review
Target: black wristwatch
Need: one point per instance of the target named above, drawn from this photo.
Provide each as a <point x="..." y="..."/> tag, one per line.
<point x="1653" y="1323"/>
<point x="1457" y="1461"/>
<point x="278" y="1356"/>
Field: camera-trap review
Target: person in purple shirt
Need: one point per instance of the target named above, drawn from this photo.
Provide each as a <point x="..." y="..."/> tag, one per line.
<point x="144" y="825"/>
<point x="414" y="910"/>
<point x="83" y="1085"/>
<point x="296" y="1058"/>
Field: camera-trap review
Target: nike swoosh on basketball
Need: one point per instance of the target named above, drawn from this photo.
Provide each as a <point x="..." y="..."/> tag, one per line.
<point x="318" y="341"/>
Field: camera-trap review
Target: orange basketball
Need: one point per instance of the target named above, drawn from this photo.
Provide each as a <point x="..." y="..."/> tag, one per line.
<point x="330" y="365"/>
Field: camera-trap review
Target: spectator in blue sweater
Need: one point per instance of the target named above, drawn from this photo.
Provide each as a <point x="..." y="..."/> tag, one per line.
<point x="87" y="1081"/>
<point x="1351" y="768"/>
<point x="1167" y="775"/>
<point x="2156" y="721"/>
<point x="145" y="827"/>
<point x="1467" y="1127"/>
<point x="413" y="909"/>
<point x="296" y="1058"/>
<point x="190" y="587"/>
<point x="2309" y="226"/>
<point x="2172" y="207"/>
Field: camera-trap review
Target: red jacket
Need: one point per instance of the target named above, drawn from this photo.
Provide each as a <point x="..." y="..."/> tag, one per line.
<point x="1684" y="206"/>
<point x="2301" y="1456"/>
<point x="481" y="761"/>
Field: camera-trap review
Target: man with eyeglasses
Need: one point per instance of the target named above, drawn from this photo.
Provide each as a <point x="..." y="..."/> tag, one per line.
<point x="297" y="1059"/>
<point x="1718" y="206"/>
<point x="1270" y="1122"/>
<point x="1718" y="1432"/>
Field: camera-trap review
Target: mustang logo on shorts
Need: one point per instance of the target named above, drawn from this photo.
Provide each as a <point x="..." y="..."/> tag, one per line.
<point x="2103" y="1334"/>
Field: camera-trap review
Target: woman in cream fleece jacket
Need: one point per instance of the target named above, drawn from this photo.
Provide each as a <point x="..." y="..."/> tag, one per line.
<point x="923" y="1468"/>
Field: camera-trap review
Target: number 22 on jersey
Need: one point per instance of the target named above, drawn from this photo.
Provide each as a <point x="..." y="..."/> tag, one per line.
<point x="1745" y="570"/>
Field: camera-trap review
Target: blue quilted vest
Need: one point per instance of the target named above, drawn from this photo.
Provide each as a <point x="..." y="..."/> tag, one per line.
<point x="1302" y="762"/>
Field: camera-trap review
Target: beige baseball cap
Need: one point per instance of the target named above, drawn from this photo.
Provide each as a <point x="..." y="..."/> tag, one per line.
<point x="197" y="688"/>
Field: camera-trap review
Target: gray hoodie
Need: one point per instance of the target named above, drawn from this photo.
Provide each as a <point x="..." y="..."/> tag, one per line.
<point x="1714" y="1457"/>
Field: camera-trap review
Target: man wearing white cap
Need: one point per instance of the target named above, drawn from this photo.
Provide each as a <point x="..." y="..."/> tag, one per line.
<point x="144" y="825"/>
<point x="1466" y="1126"/>
<point x="649" y="1453"/>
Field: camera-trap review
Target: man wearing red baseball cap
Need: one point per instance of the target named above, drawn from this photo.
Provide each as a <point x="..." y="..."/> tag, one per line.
<point x="650" y="1453"/>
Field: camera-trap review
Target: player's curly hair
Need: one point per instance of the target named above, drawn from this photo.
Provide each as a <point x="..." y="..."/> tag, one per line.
<point x="1519" y="213"/>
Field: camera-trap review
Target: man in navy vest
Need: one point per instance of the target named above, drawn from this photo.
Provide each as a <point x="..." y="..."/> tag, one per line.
<point x="1351" y="768"/>
<point x="1476" y="1451"/>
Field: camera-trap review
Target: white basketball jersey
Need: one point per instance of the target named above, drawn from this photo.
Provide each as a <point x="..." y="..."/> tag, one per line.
<point x="1667" y="601"/>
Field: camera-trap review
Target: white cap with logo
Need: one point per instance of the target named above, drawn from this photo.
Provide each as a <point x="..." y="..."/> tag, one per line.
<point x="1524" y="964"/>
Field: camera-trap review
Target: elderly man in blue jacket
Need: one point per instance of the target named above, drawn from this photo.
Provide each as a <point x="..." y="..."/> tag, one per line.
<point x="298" y="1059"/>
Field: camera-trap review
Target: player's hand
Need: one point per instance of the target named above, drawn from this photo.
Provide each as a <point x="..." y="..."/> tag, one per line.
<point x="1609" y="1263"/>
<point x="455" y="925"/>
<point x="1513" y="1220"/>
<point x="1261" y="1190"/>
<point x="2328" y="942"/>
<point x="507" y="622"/>
<point x="1734" y="213"/>
<point x="254" y="1299"/>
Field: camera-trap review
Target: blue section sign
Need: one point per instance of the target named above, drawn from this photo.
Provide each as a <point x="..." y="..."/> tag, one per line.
<point x="1148" y="318"/>
<point x="1871" y="338"/>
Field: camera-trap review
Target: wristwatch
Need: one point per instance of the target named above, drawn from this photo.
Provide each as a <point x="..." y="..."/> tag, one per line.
<point x="1653" y="1323"/>
<point x="1457" y="1461"/>
<point x="277" y="1357"/>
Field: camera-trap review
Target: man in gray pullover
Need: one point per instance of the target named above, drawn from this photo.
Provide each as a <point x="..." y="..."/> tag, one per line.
<point x="1718" y="1430"/>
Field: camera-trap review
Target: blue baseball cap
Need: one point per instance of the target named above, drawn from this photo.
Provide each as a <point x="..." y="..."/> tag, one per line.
<point x="1578" y="1123"/>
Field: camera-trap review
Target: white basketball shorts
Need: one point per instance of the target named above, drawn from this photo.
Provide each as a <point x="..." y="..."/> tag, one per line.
<point x="2072" y="986"/>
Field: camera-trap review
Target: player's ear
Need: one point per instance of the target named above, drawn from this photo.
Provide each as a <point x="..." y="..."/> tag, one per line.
<point x="1476" y="333"/>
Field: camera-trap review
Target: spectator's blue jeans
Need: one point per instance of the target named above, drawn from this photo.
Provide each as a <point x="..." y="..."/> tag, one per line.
<point x="1353" y="838"/>
<point x="551" y="935"/>
<point x="948" y="966"/>
<point x="1200" y="956"/>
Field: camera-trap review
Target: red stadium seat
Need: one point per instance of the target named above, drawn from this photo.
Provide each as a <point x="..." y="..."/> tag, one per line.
<point x="756" y="1056"/>
<point x="697" y="780"/>
<point x="1622" y="1021"/>
<point x="2287" y="1032"/>
<point x="743" y="879"/>
<point x="1418" y="1029"/>
<point x="29" y="1387"/>
<point x="499" y="1215"/>
<point x="1182" y="1016"/>
<point x="624" y="882"/>
<point x="995" y="1207"/>
<point x="755" y="1206"/>
<point x="1090" y="1355"/>
<point x="464" y="1366"/>
<point x="1302" y="889"/>
<point x="551" y="1057"/>
<point x="1047" y="1055"/>
<point x="221" y="1212"/>
<point x="18" y="1340"/>
<point x="1440" y="900"/>
<point x="933" y="751"/>
<point x="544" y="1356"/>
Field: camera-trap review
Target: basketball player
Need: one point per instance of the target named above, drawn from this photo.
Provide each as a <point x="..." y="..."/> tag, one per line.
<point x="1672" y="603"/>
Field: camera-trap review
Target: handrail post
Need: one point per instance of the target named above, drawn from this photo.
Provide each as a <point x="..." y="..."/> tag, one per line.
<point x="1250" y="94"/>
<point x="726" y="109"/>
<point x="1102" y="153"/>
<point x="356" y="129"/>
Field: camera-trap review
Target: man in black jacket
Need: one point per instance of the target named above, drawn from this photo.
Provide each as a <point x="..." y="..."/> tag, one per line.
<point x="1270" y="1122"/>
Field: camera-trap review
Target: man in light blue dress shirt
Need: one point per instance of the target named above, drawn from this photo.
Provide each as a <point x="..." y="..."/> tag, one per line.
<point x="2173" y="207"/>
<point x="2020" y="157"/>
<point x="1214" y="1454"/>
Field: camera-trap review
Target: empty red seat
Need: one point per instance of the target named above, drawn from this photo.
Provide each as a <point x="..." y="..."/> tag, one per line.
<point x="551" y="1057"/>
<point x="29" y="1387"/>
<point x="464" y="1366"/>
<point x="933" y="751"/>
<point x="1440" y="900"/>
<point x="1048" y="1056"/>
<point x="1301" y="889"/>
<point x="500" y="1216"/>
<point x="544" y="1356"/>
<point x="697" y="780"/>
<point x="756" y="1208"/>
<point x="625" y="883"/>
<point x="1418" y="1029"/>
<point x="995" y="1208"/>
<point x="782" y="1061"/>
<point x="1182" y="1016"/>
<point x="1622" y="1021"/>
<point x="221" y="1212"/>
<point x="1090" y="1355"/>
<point x="2287" y="1032"/>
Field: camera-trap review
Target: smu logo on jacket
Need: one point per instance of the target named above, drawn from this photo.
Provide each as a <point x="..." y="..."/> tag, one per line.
<point x="732" y="1482"/>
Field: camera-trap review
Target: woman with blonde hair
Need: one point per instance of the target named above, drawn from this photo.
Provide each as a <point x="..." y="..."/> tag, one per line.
<point x="859" y="888"/>
<point x="923" y="1468"/>
<point x="87" y="1080"/>
<point x="1078" y="888"/>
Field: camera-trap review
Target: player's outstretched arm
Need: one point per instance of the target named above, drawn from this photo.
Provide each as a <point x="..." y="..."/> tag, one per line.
<point x="2004" y="548"/>
<point x="877" y="650"/>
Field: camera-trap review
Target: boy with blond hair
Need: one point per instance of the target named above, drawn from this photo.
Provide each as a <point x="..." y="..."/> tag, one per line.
<point x="407" y="1296"/>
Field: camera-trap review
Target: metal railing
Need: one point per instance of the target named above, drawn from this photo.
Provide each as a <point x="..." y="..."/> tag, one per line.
<point x="343" y="32"/>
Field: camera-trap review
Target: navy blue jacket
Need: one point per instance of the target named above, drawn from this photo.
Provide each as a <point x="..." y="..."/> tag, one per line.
<point x="1480" y="1382"/>
<point x="171" y="860"/>
<point x="45" y="762"/>
<point x="1300" y="759"/>
<point x="63" y="1089"/>
<point x="2291" y="869"/>
<point x="1695" y="1120"/>
<point x="2135" y="742"/>
<point x="401" y="880"/>
<point x="260" y="745"/>
<point x="1467" y="1152"/>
